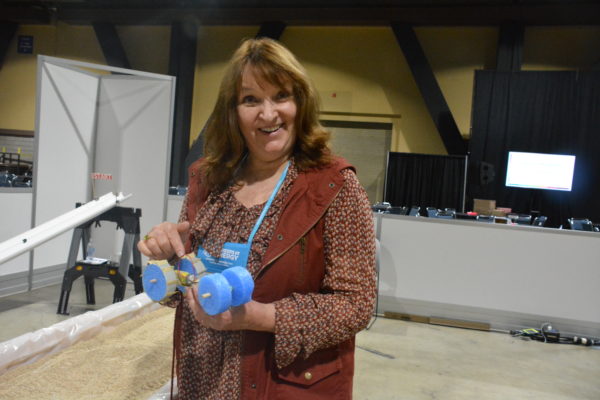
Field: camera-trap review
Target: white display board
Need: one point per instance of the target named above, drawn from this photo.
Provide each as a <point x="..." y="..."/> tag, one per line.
<point x="65" y="126"/>
<point x="508" y="276"/>
<point x="89" y="121"/>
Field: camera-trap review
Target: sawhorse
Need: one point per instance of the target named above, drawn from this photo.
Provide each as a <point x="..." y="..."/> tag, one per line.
<point x="129" y="220"/>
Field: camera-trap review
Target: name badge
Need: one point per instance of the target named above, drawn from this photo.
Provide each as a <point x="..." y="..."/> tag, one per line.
<point x="232" y="255"/>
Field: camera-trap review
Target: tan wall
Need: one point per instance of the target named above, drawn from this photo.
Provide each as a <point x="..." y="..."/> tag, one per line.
<point x="215" y="46"/>
<point x="18" y="78"/>
<point x="147" y="49"/>
<point x="355" y="69"/>
<point x="362" y="70"/>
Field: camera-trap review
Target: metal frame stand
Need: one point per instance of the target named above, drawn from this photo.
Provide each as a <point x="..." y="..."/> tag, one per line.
<point x="127" y="219"/>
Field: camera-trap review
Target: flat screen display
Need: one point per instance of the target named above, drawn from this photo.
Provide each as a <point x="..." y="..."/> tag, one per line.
<point x="540" y="171"/>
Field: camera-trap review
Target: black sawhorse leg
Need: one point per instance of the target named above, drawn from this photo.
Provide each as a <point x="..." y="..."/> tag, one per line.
<point x="70" y="275"/>
<point x="90" y="295"/>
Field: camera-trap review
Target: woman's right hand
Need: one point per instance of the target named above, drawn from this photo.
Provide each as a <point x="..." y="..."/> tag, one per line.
<point x="165" y="240"/>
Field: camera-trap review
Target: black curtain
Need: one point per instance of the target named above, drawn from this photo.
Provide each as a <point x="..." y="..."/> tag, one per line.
<point x="425" y="180"/>
<point x="540" y="112"/>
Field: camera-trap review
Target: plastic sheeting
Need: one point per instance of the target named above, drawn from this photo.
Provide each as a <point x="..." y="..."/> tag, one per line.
<point x="32" y="346"/>
<point x="164" y="393"/>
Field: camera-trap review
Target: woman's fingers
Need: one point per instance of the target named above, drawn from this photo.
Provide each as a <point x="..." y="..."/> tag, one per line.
<point x="231" y="319"/>
<point x="165" y="240"/>
<point x="179" y="238"/>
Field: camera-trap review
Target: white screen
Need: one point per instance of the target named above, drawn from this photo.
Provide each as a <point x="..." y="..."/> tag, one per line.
<point x="540" y="171"/>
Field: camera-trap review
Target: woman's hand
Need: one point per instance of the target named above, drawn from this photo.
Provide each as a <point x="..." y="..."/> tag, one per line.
<point x="250" y="316"/>
<point x="165" y="240"/>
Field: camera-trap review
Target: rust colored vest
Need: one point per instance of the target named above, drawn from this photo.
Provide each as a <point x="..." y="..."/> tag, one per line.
<point x="293" y="263"/>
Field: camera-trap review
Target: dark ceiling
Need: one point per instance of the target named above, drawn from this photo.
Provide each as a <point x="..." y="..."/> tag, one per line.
<point x="304" y="12"/>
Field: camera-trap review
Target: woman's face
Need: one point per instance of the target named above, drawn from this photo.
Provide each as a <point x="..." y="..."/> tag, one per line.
<point x="266" y="116"/>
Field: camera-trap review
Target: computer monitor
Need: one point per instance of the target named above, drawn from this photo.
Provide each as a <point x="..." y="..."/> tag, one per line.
<point x="540" y="171"/>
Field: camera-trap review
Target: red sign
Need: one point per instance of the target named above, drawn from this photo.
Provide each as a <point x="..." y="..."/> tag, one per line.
<point x="103" y="177"/>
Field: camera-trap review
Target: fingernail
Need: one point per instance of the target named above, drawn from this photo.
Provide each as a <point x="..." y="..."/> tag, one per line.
<point x="180" y="254"/>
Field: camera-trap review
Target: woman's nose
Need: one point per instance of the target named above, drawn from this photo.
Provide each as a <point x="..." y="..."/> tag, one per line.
<point x="269" y="110"/>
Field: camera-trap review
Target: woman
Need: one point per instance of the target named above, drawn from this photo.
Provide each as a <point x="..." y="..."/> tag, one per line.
<point x="312" y="256"/>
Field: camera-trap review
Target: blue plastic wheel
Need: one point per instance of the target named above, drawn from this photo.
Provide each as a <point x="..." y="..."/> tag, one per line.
<point x="214" y="294"/>
<point x="242" y="285"/>
<point x="186" y="265"/>
<point x="155" y="282"/>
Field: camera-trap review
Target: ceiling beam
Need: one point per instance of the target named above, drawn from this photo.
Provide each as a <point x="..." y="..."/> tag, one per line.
<point x="111" y="45"/>
<point x="182" y="65"/>
<point x="7" y="33"/>
<point x="273" y="30"/>
<point x="558" y="14"/>
<point x="26" y="14"/>
<point x="430" y="89"/>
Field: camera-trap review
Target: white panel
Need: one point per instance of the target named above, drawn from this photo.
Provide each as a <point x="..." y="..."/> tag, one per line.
<point x="174" y="205"/>
<point x="16" y="219"/>
<point x="134" y="135"/>
<point x="64" y="138"/>
<point x="537" y="271"/>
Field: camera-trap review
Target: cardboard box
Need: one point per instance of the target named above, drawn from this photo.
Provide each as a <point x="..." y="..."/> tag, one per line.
<point x="501" y="211"/>
<point x="486" y="207"/>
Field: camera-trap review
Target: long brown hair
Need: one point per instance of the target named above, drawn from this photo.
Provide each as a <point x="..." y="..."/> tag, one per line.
<point x="224" y="146"/>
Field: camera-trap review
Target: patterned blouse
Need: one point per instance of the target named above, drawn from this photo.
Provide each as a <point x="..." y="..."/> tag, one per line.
<point x="211" y="360"/>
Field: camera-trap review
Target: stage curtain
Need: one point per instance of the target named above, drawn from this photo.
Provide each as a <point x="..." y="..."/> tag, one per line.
<point x="542" y="112"/>
<point x="425" y="180"/>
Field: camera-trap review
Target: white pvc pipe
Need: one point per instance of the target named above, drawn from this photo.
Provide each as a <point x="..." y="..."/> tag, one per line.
<point x="46" y="231"/>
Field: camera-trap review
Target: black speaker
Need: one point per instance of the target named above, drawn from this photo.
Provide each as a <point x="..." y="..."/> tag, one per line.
<point x="486" y="173"/>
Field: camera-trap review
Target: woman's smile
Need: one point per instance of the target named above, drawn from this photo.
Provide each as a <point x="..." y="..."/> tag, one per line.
<point x="271" y="129"/>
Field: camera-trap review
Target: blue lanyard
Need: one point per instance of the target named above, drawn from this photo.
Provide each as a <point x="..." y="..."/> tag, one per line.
<point x="268" y="203"/>
<point x="236" y="254"/>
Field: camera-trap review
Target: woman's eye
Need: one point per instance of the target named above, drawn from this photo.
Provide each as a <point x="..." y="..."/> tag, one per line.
<point x="282" y="96"/>
<point x="249" y="100"/>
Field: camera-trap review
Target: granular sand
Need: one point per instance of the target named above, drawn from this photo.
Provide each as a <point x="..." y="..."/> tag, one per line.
<point x="131" y="361"/>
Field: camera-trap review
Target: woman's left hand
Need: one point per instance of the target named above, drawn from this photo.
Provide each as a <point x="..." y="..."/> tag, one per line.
<point x="250" y="316"/>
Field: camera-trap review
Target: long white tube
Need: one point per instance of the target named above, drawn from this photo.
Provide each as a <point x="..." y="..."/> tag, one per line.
<point x="46" y="231"/>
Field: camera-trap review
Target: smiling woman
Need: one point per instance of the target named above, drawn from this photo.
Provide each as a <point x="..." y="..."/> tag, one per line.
<point x="310" y="248"/>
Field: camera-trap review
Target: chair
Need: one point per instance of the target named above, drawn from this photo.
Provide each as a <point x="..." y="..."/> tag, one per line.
<point x="490" y="219"/>
<point x="580" y="224"/>
<point x="539" y="220"/>
<point x="446" y="214"/>
<point x="461" y="215"/>
<point x="398" y="210"/>
<point x="414" y="211"/>
<point x="381" y="208"/>
<point x="523" y="220"/>
<point x="432" y="212"/>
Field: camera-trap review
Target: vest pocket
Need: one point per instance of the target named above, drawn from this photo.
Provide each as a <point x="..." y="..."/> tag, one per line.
<point x="317" y="367"/>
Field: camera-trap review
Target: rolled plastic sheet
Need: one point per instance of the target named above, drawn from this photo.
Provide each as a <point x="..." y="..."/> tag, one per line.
<point x="164" y="393"/>
<point x="32" y="346"/>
